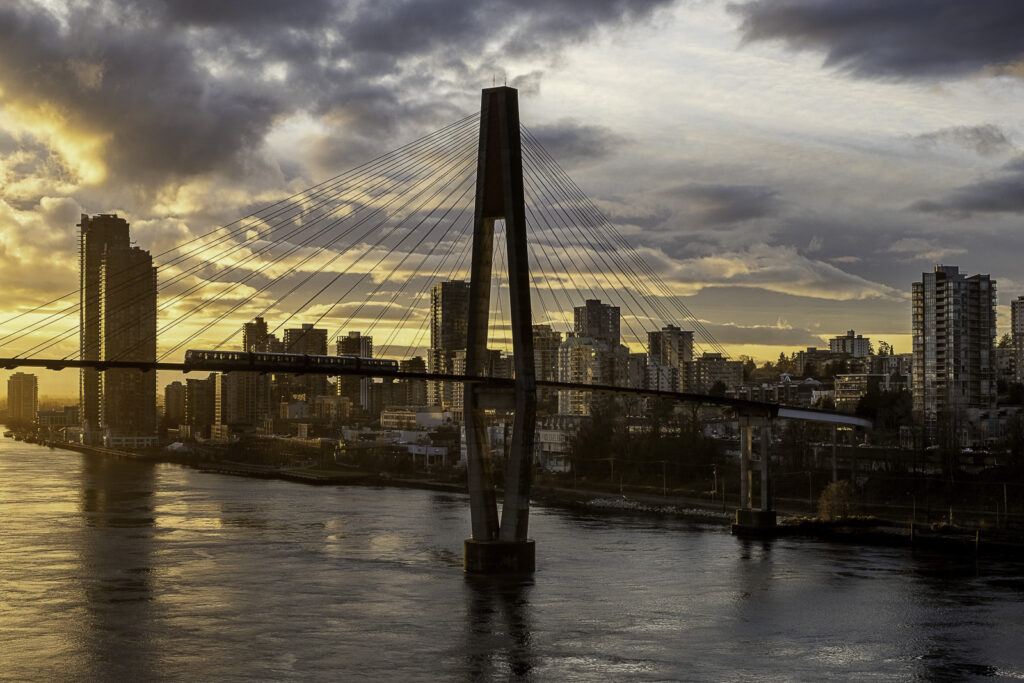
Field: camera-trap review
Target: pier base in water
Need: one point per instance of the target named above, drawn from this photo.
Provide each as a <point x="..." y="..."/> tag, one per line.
<point x="498" y="557"/>
<point x="753" y="522"/>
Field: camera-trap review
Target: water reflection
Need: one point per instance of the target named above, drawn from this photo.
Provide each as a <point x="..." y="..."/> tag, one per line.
<point x="499" y="636"/>
<point x="754" y="573"/>
<point x="116" y="552"/>
<point x="949" y="651"/>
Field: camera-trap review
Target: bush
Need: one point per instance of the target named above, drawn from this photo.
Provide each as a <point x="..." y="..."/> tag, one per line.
<point x="836" y="501"/>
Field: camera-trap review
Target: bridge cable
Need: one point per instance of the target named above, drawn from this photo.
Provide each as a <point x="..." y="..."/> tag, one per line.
<point x="600" y="220"/>
<point x="428" y="283"/>
<point x="223" y="272"/>
<point x="374" y="227"/>
<point x="242" y="226"/>
<point x="567" y="225"/>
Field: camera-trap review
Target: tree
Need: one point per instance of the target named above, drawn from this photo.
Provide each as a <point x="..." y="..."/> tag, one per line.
<point x="1005" y="342"/>
<point x="749" y="366"/>
<point x="835" y="501"/>
<point x="889" y="410"/>
<point x="885" y="349"/>
<point x="717" y="389"/>
<point x="825" y="403"/>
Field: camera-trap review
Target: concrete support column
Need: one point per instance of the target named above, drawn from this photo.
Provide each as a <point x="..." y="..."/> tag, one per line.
<point x="751" y="521"/>
<point x="766" y="485"/>
<point x="500" y="548"/>
<point x="835" y="466"/>
<point x="744" y="463"/>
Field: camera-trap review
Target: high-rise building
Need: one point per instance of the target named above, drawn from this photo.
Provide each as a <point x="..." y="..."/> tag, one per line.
<point x="852" y="344"/>
<point x="597" y="321"/>
<point x="415" y="389"/>
<point x="355" y="344"/>
<point x="22" y="397"/>
<point x="118" y="322"/>
<point x="1017" y="332"/>
<point x="545" y="352"/>
<point x="174" y="404"/>
<point x="256" y="337"/>
<point x="311" y="341"/>
<point x="585" y="360"/>
<point x="449" y="330"/>
<point x="251" y="398"/>
<point x="954" y="325"/>
<point x="353" y="387"/>
<point x="712" y="369"/>
<point x="669" y="356"/>
<point x="241" y="400"/>
<point x="201" y="404"/>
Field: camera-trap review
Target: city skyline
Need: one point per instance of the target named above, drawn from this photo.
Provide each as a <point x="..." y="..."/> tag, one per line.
<point x="783" y="223"/>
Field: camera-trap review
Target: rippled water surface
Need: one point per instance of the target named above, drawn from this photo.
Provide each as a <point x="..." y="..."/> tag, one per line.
<point x="117" y="570"/>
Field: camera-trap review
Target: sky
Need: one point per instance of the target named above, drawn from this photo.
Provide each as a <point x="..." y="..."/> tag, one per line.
<point x="789" y="167"/>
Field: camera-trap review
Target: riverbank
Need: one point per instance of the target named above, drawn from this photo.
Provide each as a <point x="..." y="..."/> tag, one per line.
<point x="869" y="530"/>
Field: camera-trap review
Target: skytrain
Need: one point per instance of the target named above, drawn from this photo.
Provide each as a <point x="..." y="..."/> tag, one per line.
<point x="287" y="362"/>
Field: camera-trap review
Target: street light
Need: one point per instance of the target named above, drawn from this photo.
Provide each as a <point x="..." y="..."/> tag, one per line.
<point x="810" y="490"/>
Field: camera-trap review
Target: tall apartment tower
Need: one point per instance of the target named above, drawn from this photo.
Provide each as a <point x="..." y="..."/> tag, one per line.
<point x="355" y="344"/>
<point x="117" y="322"/>
<point x="356" y="389"/>
<point x="449" y="325"/>
<point x="853" y="344"/>
<point x="598" y="321"/>
<point x="1017" y="332"/>
<point x="174" y="404"/>
<point x="954" y="325"/>
<point x="669" y="357"/>
<point x="311" y="341"/>
<point x="246" y="399"/>
<point x="22" y="397"/>
<point x="545" y="352"/>
<point x="415" y="389"/>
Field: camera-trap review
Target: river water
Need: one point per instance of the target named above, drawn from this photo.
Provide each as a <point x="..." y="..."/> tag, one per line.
<point x="117" y="570"/>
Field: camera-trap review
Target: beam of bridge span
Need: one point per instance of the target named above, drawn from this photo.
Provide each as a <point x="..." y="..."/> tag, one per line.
<point x="774" y="410"/>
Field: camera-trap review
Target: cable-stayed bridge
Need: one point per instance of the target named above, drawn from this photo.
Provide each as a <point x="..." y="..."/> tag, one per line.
<point x="480" y="199"/>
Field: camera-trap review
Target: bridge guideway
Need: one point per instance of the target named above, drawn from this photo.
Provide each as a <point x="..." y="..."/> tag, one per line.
<point x="501" y="545"/>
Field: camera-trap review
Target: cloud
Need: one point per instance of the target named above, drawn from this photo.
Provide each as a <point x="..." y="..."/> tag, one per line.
<point x="159" y="91"/>
<point x="709" y="205"/>
<point x="986" y="140"/>
<point x="1003" y="193"/>
<point x="925" y="250"/>
<point x="894" y="40"/>
<point x="573" y="143"/>
<point x="779" y="269"/>
<point x="780" y="334"/>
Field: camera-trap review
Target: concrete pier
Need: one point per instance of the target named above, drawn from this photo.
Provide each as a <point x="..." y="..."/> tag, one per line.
<point x="499" y="557"/>
<point x="751" y="520"/>
<point x="500" y="548"/>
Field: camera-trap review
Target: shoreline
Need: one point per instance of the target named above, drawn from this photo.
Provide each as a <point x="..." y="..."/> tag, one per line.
<point x="959" y="541"/>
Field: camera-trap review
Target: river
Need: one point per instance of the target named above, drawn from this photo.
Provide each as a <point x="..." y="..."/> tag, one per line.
<point x="118" y="570"/>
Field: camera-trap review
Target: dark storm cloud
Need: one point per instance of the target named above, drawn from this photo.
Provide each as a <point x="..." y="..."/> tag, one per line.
<point x="164" y="113"/>
<point x="573" y="143"/>
<point x="768" y="335"/>
<point x="894" y="39"/>
<point x="1003" y="193"/>
<point x="986" y="140"/>
<point x="190" y="86"/>
<point x="725" y="204"/>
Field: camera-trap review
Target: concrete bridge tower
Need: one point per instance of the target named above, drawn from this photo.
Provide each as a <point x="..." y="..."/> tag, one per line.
<point x="500" y="548"/>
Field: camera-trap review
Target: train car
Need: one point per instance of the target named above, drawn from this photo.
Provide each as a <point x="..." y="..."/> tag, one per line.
<point x="196" y="359"/>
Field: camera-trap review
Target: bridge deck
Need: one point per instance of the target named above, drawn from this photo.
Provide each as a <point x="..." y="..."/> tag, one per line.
<point x="741" y="405"/>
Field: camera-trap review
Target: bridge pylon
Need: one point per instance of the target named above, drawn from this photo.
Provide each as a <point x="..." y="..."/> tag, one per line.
<point x="751" y="520"/>
<point x="500" y="548"/>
